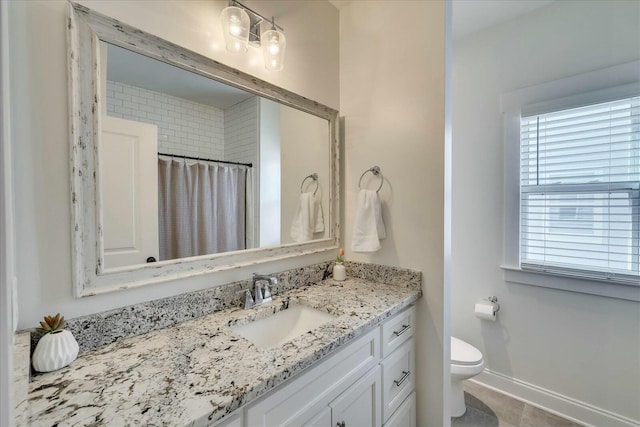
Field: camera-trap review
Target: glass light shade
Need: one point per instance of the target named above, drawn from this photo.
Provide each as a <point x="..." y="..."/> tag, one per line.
<point x="274" y="45"/>
<point x="235" y="26"/>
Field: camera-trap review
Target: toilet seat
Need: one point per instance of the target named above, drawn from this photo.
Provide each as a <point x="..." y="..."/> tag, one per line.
<point x="464" y="354"/>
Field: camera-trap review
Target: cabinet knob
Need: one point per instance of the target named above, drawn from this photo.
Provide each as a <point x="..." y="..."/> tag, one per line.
<point x="341" y="424"/>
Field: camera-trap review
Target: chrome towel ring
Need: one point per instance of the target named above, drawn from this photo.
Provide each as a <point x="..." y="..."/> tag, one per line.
<point x="314" y="177"/>
<point x="376" y="171"/>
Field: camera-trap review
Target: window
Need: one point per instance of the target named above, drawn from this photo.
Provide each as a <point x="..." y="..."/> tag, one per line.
<point x="580" y="191"/>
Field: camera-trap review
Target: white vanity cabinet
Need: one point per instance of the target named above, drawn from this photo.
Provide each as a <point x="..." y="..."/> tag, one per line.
<point x="368" y="383"/>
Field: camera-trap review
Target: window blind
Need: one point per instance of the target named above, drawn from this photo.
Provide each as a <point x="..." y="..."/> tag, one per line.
<point x="580" y="191"/>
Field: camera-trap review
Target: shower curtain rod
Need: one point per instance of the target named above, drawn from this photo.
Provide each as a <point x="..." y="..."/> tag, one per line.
<point x="206" y="160"/>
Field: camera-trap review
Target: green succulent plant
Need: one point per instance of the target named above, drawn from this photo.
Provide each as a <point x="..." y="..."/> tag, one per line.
<point x="51" y="324"/>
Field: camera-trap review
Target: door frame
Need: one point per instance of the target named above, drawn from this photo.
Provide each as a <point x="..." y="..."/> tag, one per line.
<point x="7" y="266"/>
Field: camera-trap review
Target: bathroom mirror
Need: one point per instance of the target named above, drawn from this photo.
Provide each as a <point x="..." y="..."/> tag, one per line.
<point x="182" y="166"/>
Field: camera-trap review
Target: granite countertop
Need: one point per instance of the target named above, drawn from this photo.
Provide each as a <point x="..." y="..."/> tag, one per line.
<point x="198" y="371"/>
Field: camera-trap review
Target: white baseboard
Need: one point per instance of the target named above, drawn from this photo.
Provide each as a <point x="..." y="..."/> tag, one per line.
<point x="555" y="403"/>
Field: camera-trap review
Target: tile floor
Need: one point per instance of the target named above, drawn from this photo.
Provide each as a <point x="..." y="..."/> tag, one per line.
<point x="488" y="408"/>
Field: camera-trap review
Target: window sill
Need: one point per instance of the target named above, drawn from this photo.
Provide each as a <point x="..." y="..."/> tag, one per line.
<point x="571" y="284"/>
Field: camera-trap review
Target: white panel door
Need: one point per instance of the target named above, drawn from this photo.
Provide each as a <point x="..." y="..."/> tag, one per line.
<point x="129" y="179"/>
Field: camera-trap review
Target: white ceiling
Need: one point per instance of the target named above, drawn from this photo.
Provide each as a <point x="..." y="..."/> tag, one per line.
<point x="131" y="68"/>
<point x="470" y="16"/>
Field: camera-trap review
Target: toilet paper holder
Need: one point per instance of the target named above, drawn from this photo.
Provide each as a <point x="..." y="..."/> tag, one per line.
<point x="494" y="299"/>
<point x="487" y="308"/>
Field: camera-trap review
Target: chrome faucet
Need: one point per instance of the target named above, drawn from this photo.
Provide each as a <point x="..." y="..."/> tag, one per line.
<point x="261" y="292"/>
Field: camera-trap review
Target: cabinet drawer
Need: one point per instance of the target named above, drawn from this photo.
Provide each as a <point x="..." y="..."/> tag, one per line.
<point x="405" y="416"/>
<point x="397" y="330"/>
<point x="398" y="373"/>
<point x="299" y="400"/>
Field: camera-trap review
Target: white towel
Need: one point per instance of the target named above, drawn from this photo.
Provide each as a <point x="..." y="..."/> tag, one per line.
<point x="308" y="218"/>
<point x="319" y="228"/>
<point x="368" y="227"/>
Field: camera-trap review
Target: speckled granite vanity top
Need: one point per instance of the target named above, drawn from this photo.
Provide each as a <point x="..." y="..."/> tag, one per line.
<point x="198" y="371"/>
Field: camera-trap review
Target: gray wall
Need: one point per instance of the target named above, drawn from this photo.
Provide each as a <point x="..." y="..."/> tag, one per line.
<point x="392" y="95"/>
<point x="561" y="349"/>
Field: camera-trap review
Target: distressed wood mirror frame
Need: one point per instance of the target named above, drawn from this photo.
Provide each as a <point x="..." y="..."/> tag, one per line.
<point x="85" y="31"/>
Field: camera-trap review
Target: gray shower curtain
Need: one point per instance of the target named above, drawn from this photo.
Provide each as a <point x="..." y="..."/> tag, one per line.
<point x="202" y="208"/>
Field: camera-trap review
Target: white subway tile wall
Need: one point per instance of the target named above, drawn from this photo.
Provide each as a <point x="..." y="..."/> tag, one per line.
<point x="241" y="132"/>
<point x="185" y="128"/>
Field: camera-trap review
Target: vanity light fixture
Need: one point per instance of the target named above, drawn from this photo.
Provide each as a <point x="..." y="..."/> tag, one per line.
<point x="241" y="26"/>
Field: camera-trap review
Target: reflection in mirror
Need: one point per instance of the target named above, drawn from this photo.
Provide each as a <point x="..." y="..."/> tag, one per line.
<point x="170" y="165"/>
<point x="191" y="166"/>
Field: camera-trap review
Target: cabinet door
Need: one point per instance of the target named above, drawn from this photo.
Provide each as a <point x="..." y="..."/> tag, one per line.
<point x="234" y="420"/>
<point x="405" y="416"/>
<point x="321" y="419"/>
<point x="359" y="405"/>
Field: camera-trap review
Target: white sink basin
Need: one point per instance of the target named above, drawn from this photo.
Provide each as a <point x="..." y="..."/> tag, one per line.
<point x="283" y="326"/>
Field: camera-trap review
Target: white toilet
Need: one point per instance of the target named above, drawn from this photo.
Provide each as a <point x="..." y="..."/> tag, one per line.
<point x="466" y="362"/>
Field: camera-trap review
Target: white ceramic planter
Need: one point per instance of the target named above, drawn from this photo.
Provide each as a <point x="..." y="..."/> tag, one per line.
<point x="54" y="351"/>
<point x="339" y="272"/>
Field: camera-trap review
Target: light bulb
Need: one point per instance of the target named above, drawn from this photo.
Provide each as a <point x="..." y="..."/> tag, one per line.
<point x="274" y="48"/>
<point x="234" y="26"/>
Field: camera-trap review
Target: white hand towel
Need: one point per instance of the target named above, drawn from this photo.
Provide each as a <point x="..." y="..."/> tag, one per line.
<point x="368" y="227"/>
<point x="304" y="219"/>
<point x="319" y="228"/>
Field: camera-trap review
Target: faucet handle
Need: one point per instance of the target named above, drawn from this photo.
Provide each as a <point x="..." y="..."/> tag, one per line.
<point x="258" y="296"/>
<point x="248" y="300"/>
<point x="266" y="297"/>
